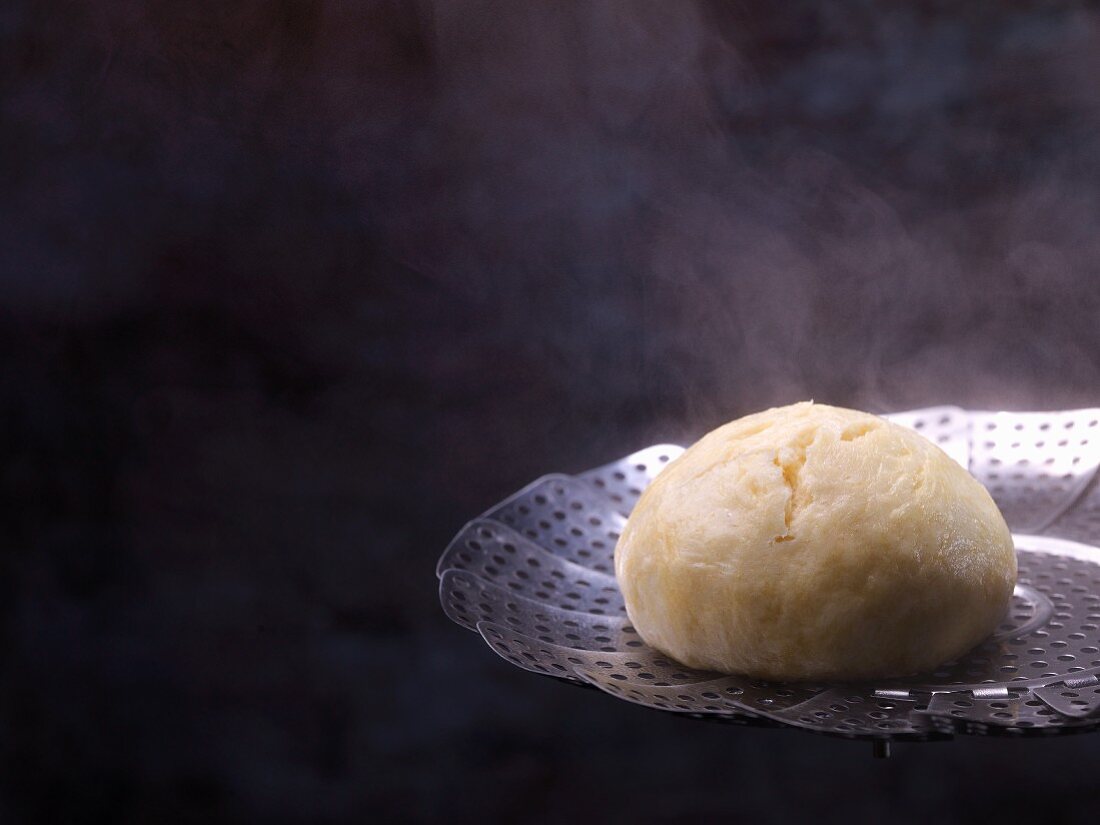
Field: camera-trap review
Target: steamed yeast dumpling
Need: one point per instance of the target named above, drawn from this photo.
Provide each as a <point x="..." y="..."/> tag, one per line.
<point x="813" y="542"/>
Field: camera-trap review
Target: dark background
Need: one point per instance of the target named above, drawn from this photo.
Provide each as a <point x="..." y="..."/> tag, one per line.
<point x="291" y="290"/>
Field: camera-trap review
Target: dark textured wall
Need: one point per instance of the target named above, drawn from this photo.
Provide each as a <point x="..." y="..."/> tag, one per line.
<point x="290" y="290"/>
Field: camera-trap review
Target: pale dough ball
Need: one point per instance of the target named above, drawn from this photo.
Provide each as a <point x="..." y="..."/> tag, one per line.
<point x="813" y="542"/>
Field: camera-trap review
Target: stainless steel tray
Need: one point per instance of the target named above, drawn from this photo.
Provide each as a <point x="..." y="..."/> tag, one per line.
<point x="534" y="576"/>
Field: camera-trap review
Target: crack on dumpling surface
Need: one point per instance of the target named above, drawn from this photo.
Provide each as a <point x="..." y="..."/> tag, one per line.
<point x="790" y="459"/>
<point x="858" y="430"/>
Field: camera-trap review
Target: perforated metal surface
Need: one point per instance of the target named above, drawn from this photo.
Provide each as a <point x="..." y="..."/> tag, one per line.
<point x="534" y="576"/>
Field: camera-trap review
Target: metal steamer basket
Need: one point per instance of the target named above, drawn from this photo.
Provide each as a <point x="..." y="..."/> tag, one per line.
<point x="534" y="576"/>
